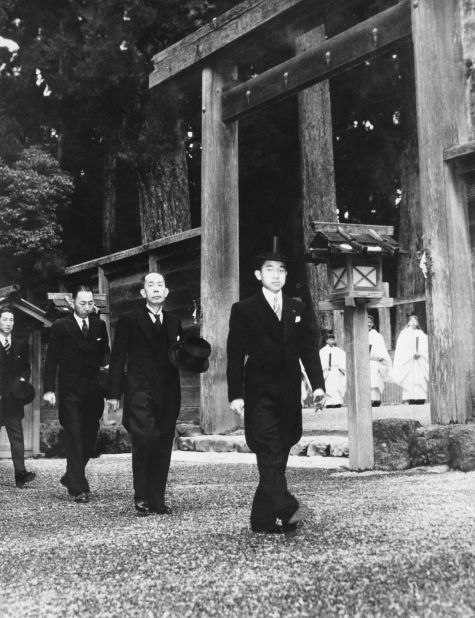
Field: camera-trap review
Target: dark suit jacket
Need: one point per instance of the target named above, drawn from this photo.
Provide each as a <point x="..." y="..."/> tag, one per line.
<point x="77" y="360"/>
<point x="273" y="349"/>
<point x="141" y="370"/>
<point x="13" y="366"/>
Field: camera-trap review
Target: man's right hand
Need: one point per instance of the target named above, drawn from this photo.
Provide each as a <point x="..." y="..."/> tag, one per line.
<point x="50" y="398"/>
<point x="113" y="404"/>
<point x="237" y="405"/>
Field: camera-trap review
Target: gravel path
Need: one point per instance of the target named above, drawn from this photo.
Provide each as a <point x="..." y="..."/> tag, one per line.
<point x="376" y="544"/>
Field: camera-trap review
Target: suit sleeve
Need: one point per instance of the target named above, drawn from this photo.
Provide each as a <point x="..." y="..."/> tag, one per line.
<point x="25" y="369"/>
<point x="118" y="358"/>
<point x="52" y="358"/>
<point x="106" y="353"/>
<point x="310" y="355"/>
<point x="236" y="353"/>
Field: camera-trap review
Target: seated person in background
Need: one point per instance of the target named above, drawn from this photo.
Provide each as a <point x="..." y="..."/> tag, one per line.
<point x="333" y="361"/>
<point x="411" y="362"/>
<point x="379" y="363"/>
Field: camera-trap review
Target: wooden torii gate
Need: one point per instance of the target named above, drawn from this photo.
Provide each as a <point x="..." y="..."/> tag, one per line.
<point x="439" y="43"/>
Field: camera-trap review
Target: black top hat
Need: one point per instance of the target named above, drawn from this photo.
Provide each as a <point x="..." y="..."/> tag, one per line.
<point x="190" y="354"/>
<point x="23" y="392"/>
<point x="275" y="253"/>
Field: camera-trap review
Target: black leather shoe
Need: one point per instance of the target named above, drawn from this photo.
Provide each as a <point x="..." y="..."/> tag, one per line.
<point x="275" y="529"/>
<point x="142" y="507"/>
<point x="160" y="510"/>
<point x="23" y="479"/>
<point x="82" y="498"/>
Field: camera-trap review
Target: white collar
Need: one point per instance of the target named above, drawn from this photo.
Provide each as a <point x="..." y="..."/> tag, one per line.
<point x="79" y="320"/>
<point x="159" y="312"/>
<point x="271" y="297"/>
<point x="7" y="338"/>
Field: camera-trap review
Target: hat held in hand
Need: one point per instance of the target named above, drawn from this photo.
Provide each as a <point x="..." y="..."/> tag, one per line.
<point x="22" y="391"/>
<point x="191" y="354"/>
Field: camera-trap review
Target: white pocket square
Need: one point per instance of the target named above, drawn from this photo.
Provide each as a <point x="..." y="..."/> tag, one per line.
<point x="98" y="339"/>
<point x="178" y="337"/>
<point x="297" y="318"/>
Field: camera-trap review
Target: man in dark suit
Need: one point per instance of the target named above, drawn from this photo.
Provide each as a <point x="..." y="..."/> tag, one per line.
<point x="77" y="350"/>
<point x="273" y="332"/>
<point x="152" y="391"/>
<point x="14" y="365"/>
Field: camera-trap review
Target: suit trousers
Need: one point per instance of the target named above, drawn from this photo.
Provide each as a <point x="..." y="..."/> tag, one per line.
<point x="10" y="417"/>
<point x="152" y="427"/>
<point x="80" y="416"/>
<point x="272" y="499"/>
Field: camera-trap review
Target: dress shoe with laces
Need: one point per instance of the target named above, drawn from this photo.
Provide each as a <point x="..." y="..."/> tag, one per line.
<point x="82" y="498"/>
<point x="142" y="507"/>
<point x="22" y="479"/>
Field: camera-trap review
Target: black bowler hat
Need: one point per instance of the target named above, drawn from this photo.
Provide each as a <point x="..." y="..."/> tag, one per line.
<point x="190" y="354"/>
<point x="23" y="392"/>
<point x="275" y="253"/>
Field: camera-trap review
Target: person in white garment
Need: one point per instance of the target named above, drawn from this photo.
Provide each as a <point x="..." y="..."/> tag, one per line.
<point x="333" y="361"/>
<point x="411" y="362"/>
<point x="379" y="363"/>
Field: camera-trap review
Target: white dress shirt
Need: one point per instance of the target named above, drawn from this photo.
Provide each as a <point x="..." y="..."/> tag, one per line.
<point x="273" y="298"/>
<point x="80" y="321"/>
<point x="155" y="315"/>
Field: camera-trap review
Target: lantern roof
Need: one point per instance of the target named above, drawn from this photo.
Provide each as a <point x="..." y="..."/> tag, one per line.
<point x="332" y="239"/>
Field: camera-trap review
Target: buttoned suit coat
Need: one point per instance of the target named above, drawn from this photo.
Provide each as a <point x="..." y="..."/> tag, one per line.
<point x="263" y="359"/>
<point x="13" y="366"/>
<point x="75" y="359"/>
<point x="143" y="372"/>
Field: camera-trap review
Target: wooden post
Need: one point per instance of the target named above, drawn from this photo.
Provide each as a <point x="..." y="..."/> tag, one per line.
<point x="385" y="320"/>
<point x="219" y="243"/>
<point x="36" y="381"/>
<point x="317" y="170"/>
<point x="360" y="425"/>
<point x="442" y="122"/>
<point x="152" y="263"/>
<point x="104" y="288"/>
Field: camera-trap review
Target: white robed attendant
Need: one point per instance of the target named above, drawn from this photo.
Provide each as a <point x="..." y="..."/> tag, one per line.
<point x="411" y="362"/>
<point x="379" y="363"/>
<point x="333" y="360"/>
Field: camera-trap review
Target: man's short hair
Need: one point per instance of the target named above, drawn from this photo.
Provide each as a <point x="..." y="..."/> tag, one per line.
<point x="152" y="272"/>
<point x="7" y="309"/>
<point x="80" y="288"/>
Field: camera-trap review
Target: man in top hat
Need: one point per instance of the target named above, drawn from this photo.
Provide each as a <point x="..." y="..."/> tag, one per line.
<point x="151" y="386"/>
<point x="268" y="334"/>
<point x="333" y="361"/>
<point x="15" y="392"/>
<point x="78" y="349"/>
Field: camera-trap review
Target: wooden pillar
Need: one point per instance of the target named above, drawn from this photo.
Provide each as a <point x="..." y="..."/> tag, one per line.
<point x="36" y="381"/>
<point x="317" y="170"/>
<point x="360" y="424"/>
<point x="442" y="122"/>
<point x="104" y="288"/>
<point x="152" y="263"/>
<point x="385" y="320"/>
<point x="219" y="243"/>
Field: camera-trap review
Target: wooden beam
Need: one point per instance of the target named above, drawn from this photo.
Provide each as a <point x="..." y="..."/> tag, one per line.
<point x="243" y="20"/>
<point x="459" y="150"/>
<point x="219" y="245"/>
<point x="360" y="426"/>
<point x="134" y="251"/>
<point x="442" y="121"/>
<point x="352" y="228"/>
<point x="338" y="54"/>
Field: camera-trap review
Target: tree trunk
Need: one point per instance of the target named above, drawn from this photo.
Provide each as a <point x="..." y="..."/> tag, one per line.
<point x="109" y="177"/>
<point x="410" y="280"/>
<point x="317" y="172"/>
<point x="164" y="203"/>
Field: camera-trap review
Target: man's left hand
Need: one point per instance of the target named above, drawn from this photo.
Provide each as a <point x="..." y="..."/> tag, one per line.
<point x="319" y="399"/>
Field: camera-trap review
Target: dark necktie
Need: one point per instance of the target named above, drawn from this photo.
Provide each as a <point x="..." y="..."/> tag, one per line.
<point x="7" y="346"/>
<point x="157" y="324"/>
<point x="84" y="329"/>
